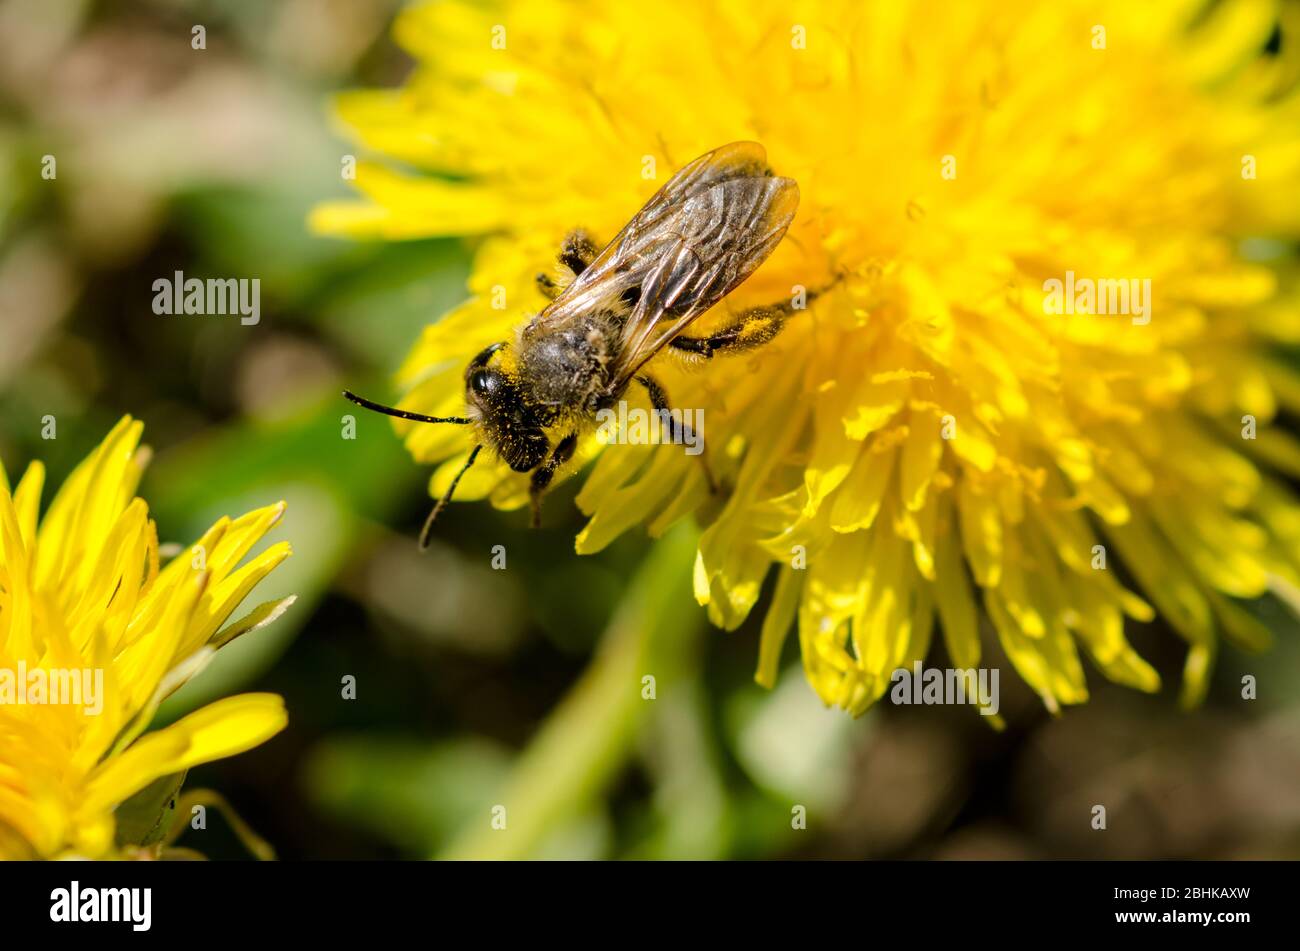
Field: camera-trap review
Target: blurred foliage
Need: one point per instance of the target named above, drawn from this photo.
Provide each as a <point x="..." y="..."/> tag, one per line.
<point x="475" y="686"/>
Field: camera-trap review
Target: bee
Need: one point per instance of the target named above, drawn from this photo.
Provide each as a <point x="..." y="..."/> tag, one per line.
<point x="694" y="242"/>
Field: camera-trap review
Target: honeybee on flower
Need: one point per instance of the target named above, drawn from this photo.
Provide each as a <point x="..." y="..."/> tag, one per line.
<point x="929" y="449"/>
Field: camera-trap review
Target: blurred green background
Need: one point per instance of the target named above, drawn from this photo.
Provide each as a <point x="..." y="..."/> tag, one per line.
<point x="477" y="686"/>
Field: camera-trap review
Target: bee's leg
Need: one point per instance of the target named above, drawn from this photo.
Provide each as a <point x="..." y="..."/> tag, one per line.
<point x="680" y="432"/>
<point x="543" y="474"/>
<point x="578" y="251"/>
<point x="749" y="329"/>
<point x="546" y="284"/>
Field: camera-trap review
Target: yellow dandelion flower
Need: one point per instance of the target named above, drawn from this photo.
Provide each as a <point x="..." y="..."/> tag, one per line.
<point x="95" y="633"/>
<point x="944" y="439"/>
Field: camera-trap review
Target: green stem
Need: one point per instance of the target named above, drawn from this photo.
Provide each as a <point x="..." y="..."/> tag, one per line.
<point x="589" y="736"/>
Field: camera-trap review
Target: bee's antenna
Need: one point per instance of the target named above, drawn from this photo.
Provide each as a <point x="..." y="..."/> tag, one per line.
<point x="446" y="497"/>
<point x="404" y="414"/>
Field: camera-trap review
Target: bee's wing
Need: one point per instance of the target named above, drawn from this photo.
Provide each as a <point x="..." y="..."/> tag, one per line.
<point x="733" y="161"/>
<point x="695" y="240"/>
<point x="718" y="238"/>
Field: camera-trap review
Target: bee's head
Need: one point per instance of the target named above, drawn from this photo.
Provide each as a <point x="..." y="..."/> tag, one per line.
<point x="507" y="421"/>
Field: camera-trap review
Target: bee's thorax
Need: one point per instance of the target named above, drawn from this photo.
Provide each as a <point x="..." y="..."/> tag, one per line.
<point x="565" y="368"/>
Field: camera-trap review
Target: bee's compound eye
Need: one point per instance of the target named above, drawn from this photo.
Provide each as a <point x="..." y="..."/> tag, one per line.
<point x="482" y="382"/>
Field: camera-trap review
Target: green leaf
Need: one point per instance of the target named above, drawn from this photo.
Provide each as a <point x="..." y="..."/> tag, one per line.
<point x="145" y="818"/>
